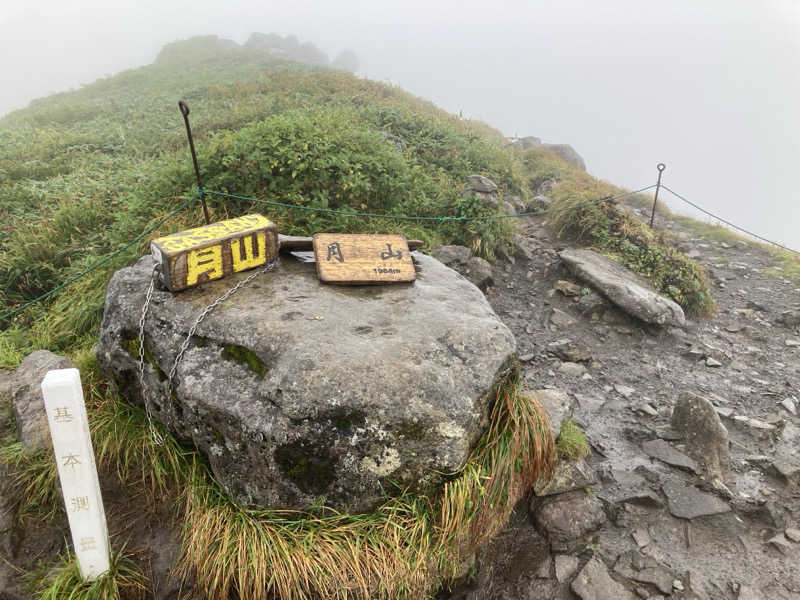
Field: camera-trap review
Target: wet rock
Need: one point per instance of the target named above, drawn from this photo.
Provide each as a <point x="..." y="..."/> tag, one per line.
<point x="630" y="487"/>
<point x="566" y="566"/>
<point x="712" y="362"/>
<point x="641" y="537"/>
<point x="664" y="452"/>
<point x="792" y="534"/>
<point x="567" y="288"/>
<point x="479" y="272"/>
<point x="646" y="570"/>
<point x="595" y="583"/>
<point x="591" y="303"/>
<point x="628" y="291"/>
<point x="781" y="543"/>
<point x="27" y="400"/>
<point x="570" y="351"/>
<point x="560" y="319"/>
<point x="624" y="390"/>
<point x="558" y="405"/>
<point x="696" y="419"/>
<point x="543" y="571"/>
<point x="322" y="391"/>
<point x="568" y="520"/>
<point x="455" y="257"/>
<point x="687" y="502"/>
<point x="790" y="404"/>
<point x="484" y="185"/>
<point x="754" y="423"/>
<point x="789" y="318"/>
<point x="567" y="476"/>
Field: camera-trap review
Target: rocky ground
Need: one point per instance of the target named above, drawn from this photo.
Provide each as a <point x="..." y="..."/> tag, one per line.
<point x="648" y="518"/>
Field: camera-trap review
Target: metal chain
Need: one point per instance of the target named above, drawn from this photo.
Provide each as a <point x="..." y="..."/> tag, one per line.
<point x="210" y="308"/>
<point x="185" y="345"/>
<point x="145" y="397"/>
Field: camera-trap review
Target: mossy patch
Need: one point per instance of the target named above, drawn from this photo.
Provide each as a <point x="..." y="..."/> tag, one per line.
<point x="130" y="342"/>
<point x="244" y="356"/>
<point x="309" y="466"/>
<point x="572" y="442"/>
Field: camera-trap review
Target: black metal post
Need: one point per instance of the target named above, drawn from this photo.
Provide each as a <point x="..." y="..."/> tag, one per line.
<point x="660" y="167"/>
<point x="185" y="112"/>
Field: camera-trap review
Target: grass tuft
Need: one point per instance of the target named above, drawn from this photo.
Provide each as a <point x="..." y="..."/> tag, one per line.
<point x="572" y="443"/>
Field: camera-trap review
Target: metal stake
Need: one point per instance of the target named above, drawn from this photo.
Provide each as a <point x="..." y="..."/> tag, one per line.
<point x="185" y="112"/>
<point x="660" y="167"/>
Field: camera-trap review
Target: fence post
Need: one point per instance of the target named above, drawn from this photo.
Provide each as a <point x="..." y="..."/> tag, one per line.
<point x="185" y="112"/>
<point x="660" y="167"/>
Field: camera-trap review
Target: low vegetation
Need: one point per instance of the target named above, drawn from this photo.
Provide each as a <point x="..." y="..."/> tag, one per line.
<point x="572" y="443"/>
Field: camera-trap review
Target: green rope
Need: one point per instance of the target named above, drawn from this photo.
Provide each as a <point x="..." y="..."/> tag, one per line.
<point x="102" y="261"/>
<point x="442" y="219"/>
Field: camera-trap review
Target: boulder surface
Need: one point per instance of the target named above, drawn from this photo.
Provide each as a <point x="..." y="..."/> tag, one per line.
<point x="624" y="288"/>
<point x="297" y="391"/>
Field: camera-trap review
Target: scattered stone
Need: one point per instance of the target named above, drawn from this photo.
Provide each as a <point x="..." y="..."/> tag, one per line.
<point x="724" y="411"/>
<point x="558" y="405"/>
<point x="712" y="362"/>
<point x="591" y="303"/>
<point x="27" y="400"/>
<point x="572" y="369"/>
<point x="527" y="357"/>
<point x="567" y="476"/>
<point x="641" y="537"/>
<point x="647" y="409"/>
<point x="567" y="288"/>
<point x="570" y="351"/>
<point x="787" y="454"/>
<point x="754" y="423"/>
<point x="560" y="319"/>
<point x="288" y="408"/>
<point x="479" y="272"/>
<point x="747" y="592"/>
<point x="482" y="184"/>
<point x="624" y="390"/>
<point x="543" y="572"/>
<point x="644" y="569"/>
<point x="678" y="585"/>
<point x="792" y="343"/>
<point x="706" y="437"/>
<point x="781" y="543"/>
<point x="595" y="583"/>
<point x="624" y="288"/>
<point x="629" y="487"/>
<point x="664" y="452"/>
<point x="568" y="519"/>
<point x="789" y="318"/>
<point x="566" y="566"/>
<point x="792" y="534"/>
<point x="687" y="502"/>
<point x="790" y="405"/>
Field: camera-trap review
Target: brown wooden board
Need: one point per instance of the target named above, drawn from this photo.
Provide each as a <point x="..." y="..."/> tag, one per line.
<point x="362" y="259"/>
<point x="191" y="257"/>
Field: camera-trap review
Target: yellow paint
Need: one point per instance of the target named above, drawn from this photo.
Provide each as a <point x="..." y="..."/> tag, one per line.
<point x="206" y="261"/>
<point x="186" y="240"/>
<point x="250" y="259"/>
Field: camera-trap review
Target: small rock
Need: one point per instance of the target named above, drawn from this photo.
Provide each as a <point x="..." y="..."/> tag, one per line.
<point x="706" y="437"/>
<point x="790" y="405"/>
<point x="567" y="288"/>
<point x="781" y="543"/>
<point x="27" y="399"/>
<point x="591" y="303"/>
<point x="754" y="423"/>
<point x="789" y="318"/>
<point x="572" y="369"/>
<point x="664" y="452"/>
<point x="568" y="519"/>
<point x="793" y="534"/>
<point x="527" y="357"/>
<point x="792" y="343"/>
<point x="787" y="454"/>
<point x="567" y="476"/>
<point x="641" y="537"/>
<point x="747" y="592"/>
<point x="570" y="351"/>
<point x="644" y="569"/>
<point x="595" y="583"/>
<point x="482" y="184"/>
<point x="543" y="571"/>
<point x="687" y="502"/>
<point x="624" y="390"/>
<point x="629" y="487"/>
<point x="560" y="319"/>
<point x="712" y="362"/>
<point x="566" y="566"/>
<point x="558" y="405"/>
<point x="678" y="585"/>
<point x="647" y="409"/>
<point x="479" y="272"/>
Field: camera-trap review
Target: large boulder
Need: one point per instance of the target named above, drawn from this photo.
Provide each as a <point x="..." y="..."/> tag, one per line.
<point x="624" y="288"/>
<point x="298" y="391"/>
<point x="567" y="153"/>
<point x="27" y="400"/>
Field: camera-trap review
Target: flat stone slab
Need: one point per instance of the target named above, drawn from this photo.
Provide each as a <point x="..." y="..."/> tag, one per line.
<point x="687" y="502"/>
<point x="298" y="391"/>
<point x="594" y="583"/>
<point x="664" y="452"/>
<point x="623" y="287"/>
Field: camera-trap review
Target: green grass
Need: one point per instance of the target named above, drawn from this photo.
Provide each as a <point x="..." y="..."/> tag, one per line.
<point x="572" y="443"/>
<point x="123" y="581"/>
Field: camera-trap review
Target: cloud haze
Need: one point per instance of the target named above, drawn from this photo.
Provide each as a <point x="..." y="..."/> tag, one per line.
<point x="711" y="88"/>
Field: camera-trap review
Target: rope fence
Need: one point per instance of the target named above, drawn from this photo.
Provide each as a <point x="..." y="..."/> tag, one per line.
<point x="201" y="192"/>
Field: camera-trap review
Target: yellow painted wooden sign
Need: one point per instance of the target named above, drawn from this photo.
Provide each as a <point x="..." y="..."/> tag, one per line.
<point x="191" y="257"/>
<point x="360" y="259"/>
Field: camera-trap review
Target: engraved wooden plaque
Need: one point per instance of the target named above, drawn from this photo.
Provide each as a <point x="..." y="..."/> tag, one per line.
<point x="362" y="259"/>
<point x="191" y="257"/>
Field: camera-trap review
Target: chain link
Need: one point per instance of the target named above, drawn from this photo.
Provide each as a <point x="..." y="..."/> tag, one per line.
<point x="145" y="396"/>
<point x="185" y="345"/>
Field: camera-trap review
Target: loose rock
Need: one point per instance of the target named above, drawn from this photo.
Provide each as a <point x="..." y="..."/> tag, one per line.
<point x="482" y="184"/>
<point x="687" y="502"/>
<point x="27" y="399"/>
<point x="595" y="583"/>
<point x="570" y="351"/>
<point x="567" y="288"/>
<point x="695" y="418"/>
<point x="560" y="319"/>
<point x="558" y="405"/>
<point x="567" y="476"/>
<point x="664" y="452"/>
<point x="566" y="566"/>
<point x="624" y="288"/>
<point x="568" y="519"/>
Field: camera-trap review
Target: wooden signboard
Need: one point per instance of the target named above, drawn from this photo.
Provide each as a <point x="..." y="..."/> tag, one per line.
<point x="355" y="259"/>
<point x="189" y="258"/>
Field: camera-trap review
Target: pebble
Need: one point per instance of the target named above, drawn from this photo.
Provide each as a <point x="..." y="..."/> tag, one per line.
<point x="624" y="390"/>
<point x="678" y="585"/>
<point x="713" y="362"/>
<point x="793" y="534"/>
<point x="754" y="423"/>
<point x="566" y="566"/>
<point x="792" y="343"/>
<point x="789" y="404"/>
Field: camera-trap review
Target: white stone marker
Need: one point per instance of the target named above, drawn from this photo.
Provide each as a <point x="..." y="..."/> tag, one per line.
<point x="72" y="445"/>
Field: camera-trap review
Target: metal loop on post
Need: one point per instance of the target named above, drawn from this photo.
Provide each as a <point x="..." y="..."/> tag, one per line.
<point x="660" y="167"/>
<point x="184" y="108"/>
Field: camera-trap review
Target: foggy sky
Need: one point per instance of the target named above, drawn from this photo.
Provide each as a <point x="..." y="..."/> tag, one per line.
<point x="709" y="87"/>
